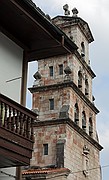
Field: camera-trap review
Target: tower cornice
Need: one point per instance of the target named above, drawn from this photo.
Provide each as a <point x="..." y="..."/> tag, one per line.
<point x="63" y="85"/>
<point x="69" y="122"/>
<point x="70" y="21"/>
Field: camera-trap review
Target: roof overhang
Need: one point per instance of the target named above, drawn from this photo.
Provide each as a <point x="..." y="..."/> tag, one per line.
<point x="27" y="26"/>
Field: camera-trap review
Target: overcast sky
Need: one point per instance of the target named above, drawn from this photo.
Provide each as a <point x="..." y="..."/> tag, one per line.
<point x="96" y="13"/>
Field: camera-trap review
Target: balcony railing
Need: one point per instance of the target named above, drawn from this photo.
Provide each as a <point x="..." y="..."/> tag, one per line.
<point x="16" y="133"/>
<point x="16" y="118"/>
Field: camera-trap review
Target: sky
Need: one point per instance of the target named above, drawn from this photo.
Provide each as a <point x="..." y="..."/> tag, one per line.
<point x="96" y="14"/>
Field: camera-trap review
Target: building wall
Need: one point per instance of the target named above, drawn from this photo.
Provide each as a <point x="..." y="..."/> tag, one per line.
<point x="68" y="60"/>
<point x="10" y="173"/>
<point x="74" y="157"/>
<point x="41" y="102"/>
<point x="73" y="151"/>
<point x="46" y="135"/>
<point x="11" y="57"/>
<point x="63" y="96"/>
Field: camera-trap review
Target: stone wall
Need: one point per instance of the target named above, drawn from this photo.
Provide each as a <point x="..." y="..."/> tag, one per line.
<point x="63" y="97"/>
<point x="46" y="135"/>
<point x="70" y="61"/>
<point x="74" y="32"/>
<point x="74" y="155"/>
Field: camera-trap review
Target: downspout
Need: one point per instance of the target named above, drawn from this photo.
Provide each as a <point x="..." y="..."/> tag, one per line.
<point x="63" y="45"/>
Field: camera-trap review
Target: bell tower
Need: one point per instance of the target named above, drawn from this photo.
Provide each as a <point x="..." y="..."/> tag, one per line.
<point x="65" y="131"/>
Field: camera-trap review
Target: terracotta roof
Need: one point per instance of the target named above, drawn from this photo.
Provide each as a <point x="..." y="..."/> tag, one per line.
<point x="44" y="171"/>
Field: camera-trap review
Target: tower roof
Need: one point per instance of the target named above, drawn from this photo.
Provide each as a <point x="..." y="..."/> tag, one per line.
<point x="75" y="20"/>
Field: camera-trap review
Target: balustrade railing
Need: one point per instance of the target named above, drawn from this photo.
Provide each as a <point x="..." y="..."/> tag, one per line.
<point x="16" y="118"/>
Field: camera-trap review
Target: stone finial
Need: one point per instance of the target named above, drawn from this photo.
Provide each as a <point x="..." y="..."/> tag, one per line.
<point x="93" y="98"/>
<point x="75" y="12"/>
<point x="67" y="70"/>
<point x="66" y="10"/>
<point x="37" y="75"/>
<point x="48" y="17"/>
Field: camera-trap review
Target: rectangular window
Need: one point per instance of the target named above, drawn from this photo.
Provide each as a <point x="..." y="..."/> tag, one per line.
<point x="51" y="101"/>
<point x="60" y="69"/>
<point x="51" y="70"/>
<point x="45" y="149"/>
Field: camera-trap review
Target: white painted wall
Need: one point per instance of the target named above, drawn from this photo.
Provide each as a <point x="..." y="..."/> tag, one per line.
<point x="8" y="173"/>
<point x="11" y="56"/>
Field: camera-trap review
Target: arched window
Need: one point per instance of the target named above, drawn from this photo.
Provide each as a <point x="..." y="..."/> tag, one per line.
<point x="79" y="79"/>
<point x="86" y="87"/>
<point x="90" y="126"/>
<point x="76" y="114"/>
<point x="83" y="120"/>
<point x="82" y="50"/>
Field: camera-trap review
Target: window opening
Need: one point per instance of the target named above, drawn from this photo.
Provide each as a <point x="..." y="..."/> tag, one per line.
<point x="51" y="102"/>
<point x="45" y="149"/>
<point x="60" y="69"/>
<point x="90" y="126"/>
<point x="76" y="114"/>
<point x="79" y="79"/>
<point x="86" y="87"/>
<point x="51" y="70"/>
<point x="82" y="50"/>
<point x="83" y="121"/>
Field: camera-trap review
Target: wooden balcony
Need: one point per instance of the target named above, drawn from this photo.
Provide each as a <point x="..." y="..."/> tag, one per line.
<point x="16" y="133"/>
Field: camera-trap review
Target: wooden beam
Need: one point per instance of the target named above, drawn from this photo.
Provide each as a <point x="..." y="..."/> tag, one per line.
<point x="24" y="78"/>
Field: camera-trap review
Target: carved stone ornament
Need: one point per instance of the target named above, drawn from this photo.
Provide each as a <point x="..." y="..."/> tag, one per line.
<point x="85" y="150"/>
<point x="75" y="12"/>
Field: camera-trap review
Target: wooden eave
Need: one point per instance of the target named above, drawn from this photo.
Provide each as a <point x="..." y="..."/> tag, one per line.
<point x="24" y="24"/>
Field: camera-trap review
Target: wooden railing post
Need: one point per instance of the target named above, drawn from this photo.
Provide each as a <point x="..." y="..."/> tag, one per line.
<point x="0" y="113"/>
<point x="28" y="127"/>
<point x="25" y="121"/>
<point x="9" y="120"/>
<point x="5" y="117"/>
<point x="21" y="124"/>
<point x="16" y="118"/>
<point x="17" y="122"/>
<point x="32" y="133"/>
<point x="13" y="121"/>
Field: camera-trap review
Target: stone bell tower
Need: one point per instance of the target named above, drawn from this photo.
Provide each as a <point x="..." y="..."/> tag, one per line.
<point x="65" y="132"/>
